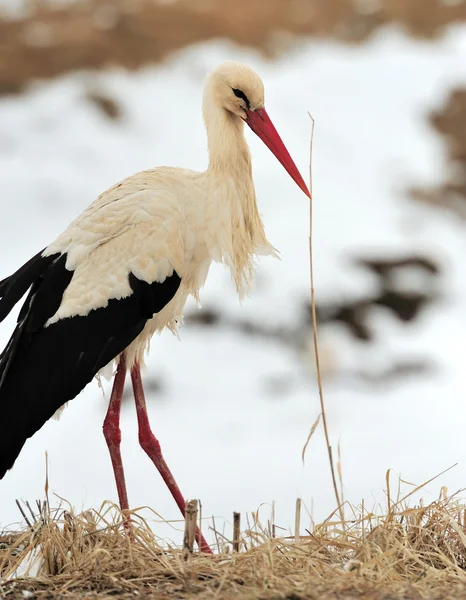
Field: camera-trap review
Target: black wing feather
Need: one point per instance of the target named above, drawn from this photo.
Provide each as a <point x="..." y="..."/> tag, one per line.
<point x="42" y="368"/>
<point x="13" y="288"/>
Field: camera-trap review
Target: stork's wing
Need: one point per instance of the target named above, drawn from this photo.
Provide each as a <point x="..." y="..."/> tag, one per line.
<point x="48" y="362"/>
<point x="14" y="287"/>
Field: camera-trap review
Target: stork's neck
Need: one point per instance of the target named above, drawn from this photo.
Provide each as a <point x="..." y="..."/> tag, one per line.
<point x="228" y="151"/>
<point x="242" y="235"/>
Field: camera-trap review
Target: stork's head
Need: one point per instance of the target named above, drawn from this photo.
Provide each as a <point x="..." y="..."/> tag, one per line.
<point x="239" y="90"/>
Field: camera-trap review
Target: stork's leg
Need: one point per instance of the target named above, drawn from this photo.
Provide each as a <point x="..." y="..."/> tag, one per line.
<point x="112" y="433"/>
<point x="151" y="447"/>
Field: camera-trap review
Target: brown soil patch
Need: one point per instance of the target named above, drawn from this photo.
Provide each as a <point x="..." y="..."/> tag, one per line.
<point x="97" y="33"/>
<point x="450" y="123"/>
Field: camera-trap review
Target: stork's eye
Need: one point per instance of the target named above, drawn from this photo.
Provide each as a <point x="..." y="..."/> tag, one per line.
<point x="242" y="95"/>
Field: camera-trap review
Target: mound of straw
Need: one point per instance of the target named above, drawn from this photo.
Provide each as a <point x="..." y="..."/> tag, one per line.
<point x="408" y="553"/>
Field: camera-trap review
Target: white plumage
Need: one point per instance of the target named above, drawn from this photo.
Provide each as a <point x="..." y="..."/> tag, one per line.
<point x="153" y="223"/>
<point x="124" y="269"/>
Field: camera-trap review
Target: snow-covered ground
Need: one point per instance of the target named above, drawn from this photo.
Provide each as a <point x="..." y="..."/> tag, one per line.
<point x="228" y="441"/>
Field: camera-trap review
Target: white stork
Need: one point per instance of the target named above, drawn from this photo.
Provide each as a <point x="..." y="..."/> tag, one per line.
<point x="124" y="269"/>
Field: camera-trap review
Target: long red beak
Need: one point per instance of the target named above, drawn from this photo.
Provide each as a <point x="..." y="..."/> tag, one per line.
<point x="259" y="121"/>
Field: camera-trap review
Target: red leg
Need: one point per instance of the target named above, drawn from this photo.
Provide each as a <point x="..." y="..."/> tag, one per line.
<point x="112" y="433"/>
<point x="151" y="447"/>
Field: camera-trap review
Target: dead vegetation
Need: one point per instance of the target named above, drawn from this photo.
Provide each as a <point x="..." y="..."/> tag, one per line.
<point x="406" y="553"/>
<point x="55" y="38"/>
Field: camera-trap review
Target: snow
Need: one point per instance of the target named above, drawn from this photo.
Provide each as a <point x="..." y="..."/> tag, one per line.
<point x="228" y="440"/>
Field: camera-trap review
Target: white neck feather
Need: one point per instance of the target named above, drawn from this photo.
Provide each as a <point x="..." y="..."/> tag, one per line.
<point x="228" y="150"/>
<point x="231" y="170"/>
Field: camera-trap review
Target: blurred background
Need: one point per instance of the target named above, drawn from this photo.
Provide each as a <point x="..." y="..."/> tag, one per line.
<point x="92" y="91"/>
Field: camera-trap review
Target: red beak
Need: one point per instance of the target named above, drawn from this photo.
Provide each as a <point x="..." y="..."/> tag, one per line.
<point x="259" y="121"/>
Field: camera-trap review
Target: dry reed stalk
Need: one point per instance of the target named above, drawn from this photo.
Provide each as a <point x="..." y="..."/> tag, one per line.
<point x="316" y="345"/>
<point x="190" y="528"/>
<point x="297" y="520"/>
<point x="236" y="531"/>
<point x="214" y="529"/>
<point x="200" y="516"/>
<point x="21" y="510"/>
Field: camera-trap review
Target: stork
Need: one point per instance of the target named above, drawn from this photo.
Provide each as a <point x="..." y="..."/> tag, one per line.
<point x="123" y="270"/>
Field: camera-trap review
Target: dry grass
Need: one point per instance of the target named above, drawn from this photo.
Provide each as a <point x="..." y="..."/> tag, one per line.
<point x="408" y="553"/>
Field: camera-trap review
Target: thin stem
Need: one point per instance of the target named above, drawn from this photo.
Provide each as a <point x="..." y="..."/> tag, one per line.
<point x="316" y="345"/>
